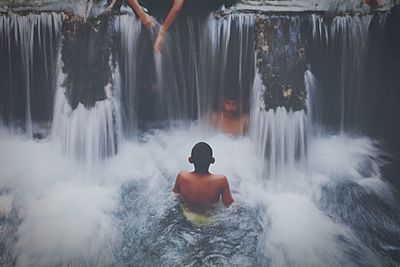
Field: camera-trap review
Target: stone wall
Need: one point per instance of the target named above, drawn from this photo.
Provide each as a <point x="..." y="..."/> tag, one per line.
<point x="77" y="7"/>
<point x="281" y="62"/>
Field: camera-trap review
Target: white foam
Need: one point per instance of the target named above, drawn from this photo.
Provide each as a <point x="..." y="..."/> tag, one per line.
<point x="67" y="213"/>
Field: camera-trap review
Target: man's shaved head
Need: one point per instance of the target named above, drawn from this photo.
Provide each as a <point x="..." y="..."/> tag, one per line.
<point x="201" y="155"/>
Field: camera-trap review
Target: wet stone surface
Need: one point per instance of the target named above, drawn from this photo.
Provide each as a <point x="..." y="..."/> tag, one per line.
<point x="281" y="61"/>
<point x="87" y="59"/>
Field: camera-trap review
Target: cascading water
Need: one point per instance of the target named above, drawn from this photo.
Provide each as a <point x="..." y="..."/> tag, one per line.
<point x="87" y="119"/>
<point x="280" y="136"/>
<point x="87" y="135"/>
<point x="187" y="81"/>
<point x="28" y="47"/>
<point x="128" y="30"/>
<point x="302" y="197"/>
<point x="279" y="122"/>
<point x="343" y="47"/>
<point x="226" y="61"/>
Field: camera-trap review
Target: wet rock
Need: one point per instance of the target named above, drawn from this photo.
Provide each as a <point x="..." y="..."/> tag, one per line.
<point x="281" y="61"/>
<point x="87" y="59"/>
<point x="77" y="7"/>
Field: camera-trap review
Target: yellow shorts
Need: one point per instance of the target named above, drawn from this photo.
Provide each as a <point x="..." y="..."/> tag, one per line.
<point x="195" y="218"/>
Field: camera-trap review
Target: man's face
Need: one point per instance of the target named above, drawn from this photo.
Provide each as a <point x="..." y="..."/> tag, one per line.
<point x="231" y="107"/>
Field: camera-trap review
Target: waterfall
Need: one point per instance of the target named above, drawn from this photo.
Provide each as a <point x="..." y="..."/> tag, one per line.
<point x="226" y="61"/>
<point x="187" y="81"/>
<point x="128" y="31"/>
<point x="157" y="88"/>
<point x="280" y="122"/>
<point x="122" y="120"/>
<point x="280" y="136"/>
<point x="28" y="47"/>
<point x="176" y="97"/>
<point x="312" y="99"/>
<point x="341" y="46"/>
<point x="87" y="117"/>
<point x="88" y="134"/>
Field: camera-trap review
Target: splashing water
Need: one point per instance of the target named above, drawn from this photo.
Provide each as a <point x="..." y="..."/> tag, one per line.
<point x="300" y="199"/>
<point x="124" y="211"/>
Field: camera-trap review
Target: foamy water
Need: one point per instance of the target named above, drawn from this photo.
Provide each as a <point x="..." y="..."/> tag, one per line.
<point x="123" y="211"/>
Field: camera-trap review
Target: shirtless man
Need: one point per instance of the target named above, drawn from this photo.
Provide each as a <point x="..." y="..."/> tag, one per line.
<point x="200" y="188"/>
<point x="148" y="21"/>
<point x="230" y="120"/>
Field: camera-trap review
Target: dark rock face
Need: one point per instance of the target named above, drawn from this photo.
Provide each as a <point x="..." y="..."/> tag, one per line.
<point x="383" y="85"/>
<point x="77" y="7"/>
<point x="281" y="61"/>
<point x="88" y="63"/>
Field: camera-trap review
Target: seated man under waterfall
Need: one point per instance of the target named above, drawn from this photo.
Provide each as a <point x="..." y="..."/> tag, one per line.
<point x="200" y="189"/>
<point x="231" y="119"/>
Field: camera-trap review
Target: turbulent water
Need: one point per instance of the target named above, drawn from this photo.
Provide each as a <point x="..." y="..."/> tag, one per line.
<point x="95" y="189"/>
<point x="55" y="211"/>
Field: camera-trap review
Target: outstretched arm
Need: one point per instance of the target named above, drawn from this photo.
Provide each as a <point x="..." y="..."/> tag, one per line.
<point x="146" y="20"/>
<point x="226" y="193"/>
<point x="172" y="14"/>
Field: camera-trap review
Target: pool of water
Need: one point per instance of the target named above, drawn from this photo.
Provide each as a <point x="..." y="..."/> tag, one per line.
<point x="54" y="210"/>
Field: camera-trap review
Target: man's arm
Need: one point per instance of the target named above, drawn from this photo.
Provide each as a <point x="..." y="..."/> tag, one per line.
<point x="146" y="20"/>
<point x="176" y="188"/>
<point x="226" y="193"/>
<point x="246" y="120"/>
<point x="172" y="14"/>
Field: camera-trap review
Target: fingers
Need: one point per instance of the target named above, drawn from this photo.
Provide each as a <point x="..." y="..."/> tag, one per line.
<point x="147" y="21"/>
<point x="158" y="44"/>
<point x="150" y="24"/>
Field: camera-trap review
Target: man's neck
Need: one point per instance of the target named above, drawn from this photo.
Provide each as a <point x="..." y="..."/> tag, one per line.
<point x="201" y="171"/>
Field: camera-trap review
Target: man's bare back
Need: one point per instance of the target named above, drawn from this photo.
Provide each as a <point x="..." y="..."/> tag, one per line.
<point x="200" y="188"/>
<point x="203" y="188"/>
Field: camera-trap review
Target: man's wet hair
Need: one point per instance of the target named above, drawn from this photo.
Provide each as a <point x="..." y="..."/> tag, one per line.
<point x="232" y="95"/>
<point x="202" y="154"/>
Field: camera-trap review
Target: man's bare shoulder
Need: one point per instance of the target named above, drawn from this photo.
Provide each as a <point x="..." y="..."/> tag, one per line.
<point x="190" y="175"/>
<point x="220" y="177"/>
<point x="183" y="174"/>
